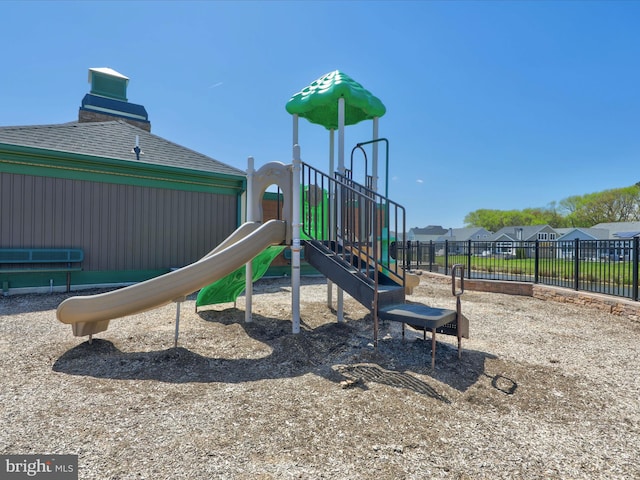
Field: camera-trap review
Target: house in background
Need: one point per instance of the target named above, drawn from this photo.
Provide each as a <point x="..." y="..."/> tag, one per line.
<point x="620" y="236"/>
<point x="475" y="234"/>
<point x="136" y="203"/>
<point x="461" y="235"/>
<point x="590" y="248"/>
<point x="605" y="241"/>
<point x="620" y="229"/>
<point x="426" y="234"/>
<point x="509" y="239"/>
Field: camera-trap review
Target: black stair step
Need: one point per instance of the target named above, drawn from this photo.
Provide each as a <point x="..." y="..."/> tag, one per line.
<point x="418" y="315"/>
<point x="389" y="288"/>
<point x="390" y="295"/>
<point x="352" y="281"/>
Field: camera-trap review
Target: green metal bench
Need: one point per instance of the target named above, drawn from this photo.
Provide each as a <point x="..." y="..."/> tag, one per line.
<point x="14" y="261"/>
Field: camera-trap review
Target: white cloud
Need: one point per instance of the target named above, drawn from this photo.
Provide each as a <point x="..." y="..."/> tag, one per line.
<point x="419" y="180"/>
<point x="215" y="85"/>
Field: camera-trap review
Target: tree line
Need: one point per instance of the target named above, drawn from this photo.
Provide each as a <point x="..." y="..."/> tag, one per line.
<point x="614" y="205"/>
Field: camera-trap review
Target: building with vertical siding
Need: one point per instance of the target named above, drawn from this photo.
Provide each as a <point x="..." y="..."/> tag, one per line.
<point x="137" y="204"/>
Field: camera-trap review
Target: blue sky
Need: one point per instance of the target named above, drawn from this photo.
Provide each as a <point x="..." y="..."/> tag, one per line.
<point x="500" y="105"/>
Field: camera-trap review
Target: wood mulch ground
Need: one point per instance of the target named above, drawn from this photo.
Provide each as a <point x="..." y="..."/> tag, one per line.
<point x="543" y="390"/>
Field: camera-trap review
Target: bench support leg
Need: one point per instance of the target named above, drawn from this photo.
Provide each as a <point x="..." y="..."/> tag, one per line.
<point x="458" y="321"/>
<point x="433" y="348"/>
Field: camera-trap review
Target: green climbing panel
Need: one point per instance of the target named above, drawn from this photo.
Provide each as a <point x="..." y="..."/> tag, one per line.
<point x="315" y="213"/>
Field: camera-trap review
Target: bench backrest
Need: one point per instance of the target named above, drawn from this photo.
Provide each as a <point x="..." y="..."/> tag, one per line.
<point x="41" y="255"/>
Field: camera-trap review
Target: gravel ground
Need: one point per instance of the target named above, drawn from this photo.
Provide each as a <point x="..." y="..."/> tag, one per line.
<point x="543" y="390"/>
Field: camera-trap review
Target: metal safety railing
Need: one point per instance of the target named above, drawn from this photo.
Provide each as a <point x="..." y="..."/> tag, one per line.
<point x="354" y="221"/>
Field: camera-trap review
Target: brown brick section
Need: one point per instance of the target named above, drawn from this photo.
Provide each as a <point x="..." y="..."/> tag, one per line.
<point x="614" y="305"/>
<point x="509" y="288"/>
<point x="85" y="116"/>
<point x="269" y="212"/>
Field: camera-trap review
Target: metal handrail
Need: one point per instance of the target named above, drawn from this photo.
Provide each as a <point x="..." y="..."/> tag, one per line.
<point x="358" y="236"/>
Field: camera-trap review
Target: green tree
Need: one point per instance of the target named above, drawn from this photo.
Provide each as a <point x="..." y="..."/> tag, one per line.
<point x="614" y="205"/>
<point x="494" y="220"/>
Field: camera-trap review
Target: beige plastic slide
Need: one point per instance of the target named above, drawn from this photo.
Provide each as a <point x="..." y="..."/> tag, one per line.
<point x="91" y="314"/>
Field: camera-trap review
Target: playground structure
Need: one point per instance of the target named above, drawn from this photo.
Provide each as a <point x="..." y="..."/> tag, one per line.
<point x="346" y="229"/>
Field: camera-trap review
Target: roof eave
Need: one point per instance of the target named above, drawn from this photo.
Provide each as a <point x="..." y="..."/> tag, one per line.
<point x="14" y="159"/>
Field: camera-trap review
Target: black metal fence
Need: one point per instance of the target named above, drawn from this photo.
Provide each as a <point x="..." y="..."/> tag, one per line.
<point x="600" y="266"/>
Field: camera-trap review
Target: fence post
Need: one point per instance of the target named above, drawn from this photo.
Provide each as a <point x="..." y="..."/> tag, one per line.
<point x="634" y="259"/>
<point x="576" y="265"/>
<point x="408" y="254"/>
<point x="418" y="254"/>
<point x="446" y="256"/>
<point x="469" y="258"/>
<point x="536" y="262"/>
<point x="431" y="255"/>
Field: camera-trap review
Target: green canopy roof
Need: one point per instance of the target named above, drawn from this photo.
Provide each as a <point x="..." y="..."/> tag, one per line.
<point x="318" y="102"/>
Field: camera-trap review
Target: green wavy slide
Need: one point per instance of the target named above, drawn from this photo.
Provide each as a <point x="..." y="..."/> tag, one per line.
<point x="229" y="288"/>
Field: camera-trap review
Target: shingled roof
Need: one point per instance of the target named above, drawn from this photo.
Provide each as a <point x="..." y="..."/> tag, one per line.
<point x="113" y="140"/>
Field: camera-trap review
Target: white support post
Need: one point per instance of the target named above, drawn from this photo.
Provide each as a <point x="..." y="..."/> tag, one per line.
<point x="340" y="301"/>
<point x="295" y="242"/>
<point x="341" y="135"/>
<point x="177" y="332"/>
<point x="175" y="337"/>
<point x="374" y="162"/>
<point x="295" y="129"/>
<point x="332" y="223"/>
<point x="248" y="294"/>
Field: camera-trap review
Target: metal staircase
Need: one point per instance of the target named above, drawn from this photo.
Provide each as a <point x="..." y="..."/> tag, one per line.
<point x="348" y="232"/>
<point x="357" y="282"/>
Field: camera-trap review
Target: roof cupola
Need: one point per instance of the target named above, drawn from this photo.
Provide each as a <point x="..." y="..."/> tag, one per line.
<point x="107" y="100"/>
<point x="106" y="82"/>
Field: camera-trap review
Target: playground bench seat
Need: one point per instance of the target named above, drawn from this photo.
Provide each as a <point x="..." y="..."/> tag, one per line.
<point x="14" y="261"/>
